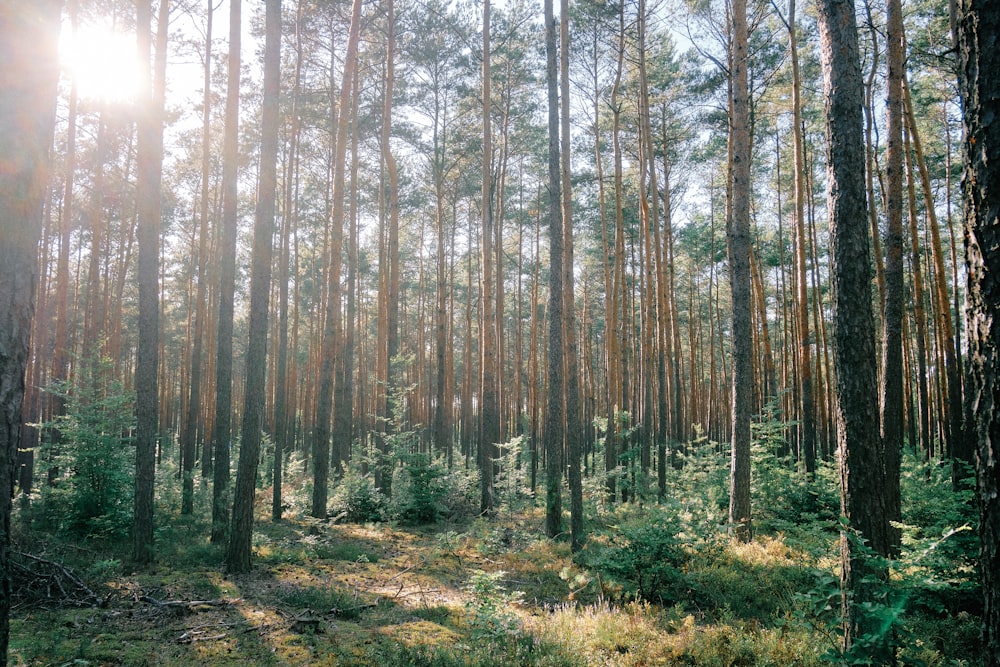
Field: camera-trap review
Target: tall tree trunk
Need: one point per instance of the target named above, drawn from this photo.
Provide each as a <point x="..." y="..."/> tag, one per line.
<point x="574" y="423"/>
<point x="807" y="409"/>
<point x="739" y="276"/>
<point x="332" y="348"/>
<point x="284" y="416"/>
<point x="854" y="327"/>
<point x="193" y="415"/>
<point x="238" y="551"/>
<point x="149" y="161"/>
<point x="980" y="84"/>
<point x="390" y="298"/>
<point x="222" y="429"/>
<point x="958" y="445"/>
<point x="28" y="48"/>
<point x="892" y="319"/>
<point x="919" y="315"/>
<point x="554" y="421"/>
<point x="489" y="433"/>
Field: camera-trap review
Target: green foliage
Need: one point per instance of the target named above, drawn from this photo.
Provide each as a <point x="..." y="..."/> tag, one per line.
<point x="356" y="500"/>
<point x="322" y="600"/>
<point x="91" y="465"/>
<point x="419" y="498"/>
<point x="492" y="618"/>
<point x="646" y="557"/>
<point x="513" y="482"/>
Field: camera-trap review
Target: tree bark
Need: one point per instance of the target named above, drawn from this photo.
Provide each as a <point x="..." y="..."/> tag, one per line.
<point x="149" y="162"/>
<point x="28" y="39"/>
<point x="554" y="422"/>
<point x="856" y="384"/>
<point x="222" y="430"/>
<point x="979" y="38"/>
<point x="238" y="551"/>
<point x="739" y="277"/>
<point x="892" y="320"/>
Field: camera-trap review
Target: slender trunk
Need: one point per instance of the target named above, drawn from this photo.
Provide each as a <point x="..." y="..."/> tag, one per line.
<point x="739" y="276"/>
<point x="222" y="431"/>
<point x="332" y="349"/>
<point x="554" y="422"/>
<point x="238" y="551"/>
<point x="193" y="415"/>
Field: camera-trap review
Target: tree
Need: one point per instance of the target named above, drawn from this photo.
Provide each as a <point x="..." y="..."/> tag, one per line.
<point x="149" y="164"/>
<point x="238" y="552"/>
<point x="574" y="423"/>
<point x="489" y="434"/>
<point x="28" y="37"/>
<point x="892" y="342"/>
<point x="979" y="73"/>
<point x="554" y="422"/>
<point x="192" y="416"/>
<point x="854" y="328"/>
<point x="332" y="352"/>
<point x="739" y="275"/>
<point x="222" y="431"/>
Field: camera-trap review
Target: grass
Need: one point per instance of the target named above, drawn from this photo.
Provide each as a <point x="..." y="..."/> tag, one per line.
<point x="474" y="593"/>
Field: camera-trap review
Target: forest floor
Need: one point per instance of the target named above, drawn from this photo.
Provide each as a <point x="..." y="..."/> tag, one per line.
<point x="476" y="592"/>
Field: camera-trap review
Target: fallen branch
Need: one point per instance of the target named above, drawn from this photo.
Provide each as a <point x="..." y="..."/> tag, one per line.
<point x="187" y="605"/>
<point x="37" y="580"/>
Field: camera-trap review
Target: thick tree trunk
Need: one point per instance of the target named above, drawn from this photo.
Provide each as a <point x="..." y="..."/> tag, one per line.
<point x="980" y="83"/>
<point x="28" y="36"/>
<point x="854" y="327"/>
<point x="489" y="432"/>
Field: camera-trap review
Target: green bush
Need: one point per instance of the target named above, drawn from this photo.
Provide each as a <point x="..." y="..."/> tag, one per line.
<point x="90" y="464"/>
<point x="646" y="558"/>
<point x="419" y="497"/>
<point x="356" y="500"/>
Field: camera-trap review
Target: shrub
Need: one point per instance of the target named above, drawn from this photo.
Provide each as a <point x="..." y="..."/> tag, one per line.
<point x="90" y="463"/>
<point x="646" y="558"/>
<point x="356" y="500"/>
<point x="419" y="498"/>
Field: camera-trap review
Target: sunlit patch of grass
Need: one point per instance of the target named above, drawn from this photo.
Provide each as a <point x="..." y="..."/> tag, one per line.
<point x="640" y="634"/>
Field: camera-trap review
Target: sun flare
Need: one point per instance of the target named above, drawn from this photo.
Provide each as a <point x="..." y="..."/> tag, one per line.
<point x="102" y="61"/>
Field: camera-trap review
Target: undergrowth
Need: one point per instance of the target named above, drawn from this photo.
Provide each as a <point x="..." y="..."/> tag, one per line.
<point x="414" y="580"/>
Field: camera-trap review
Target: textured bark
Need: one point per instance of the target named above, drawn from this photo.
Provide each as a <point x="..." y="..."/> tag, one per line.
<point x="489" y="432"/>
<point x="554" y="421"/>
<point x="222" y="426"/>
<point x="238" y="551"/>
<point x="856" y="384"/>
<point x="149" y="163"/>
<point x="738" y="237"/>
<point x="28" y="34"/>
<point x="980" y="83"/>
<point x="892" y="320"/>
<point x="574" y="423"/>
